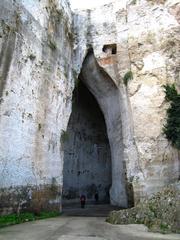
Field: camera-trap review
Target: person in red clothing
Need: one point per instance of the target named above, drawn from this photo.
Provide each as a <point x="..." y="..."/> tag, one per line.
<point x="83" y="200"/>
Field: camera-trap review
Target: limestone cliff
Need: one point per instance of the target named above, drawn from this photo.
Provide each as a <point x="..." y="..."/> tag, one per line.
<point x="140" y="38"/>
<point x="36" y="87"/>
<point x="43" y="49"/>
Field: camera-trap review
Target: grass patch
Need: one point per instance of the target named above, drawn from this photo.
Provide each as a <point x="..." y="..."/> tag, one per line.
<point x="13" y="219"/>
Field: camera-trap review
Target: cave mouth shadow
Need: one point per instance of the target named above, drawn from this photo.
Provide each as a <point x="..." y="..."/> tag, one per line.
<point x="87" y="156"/>
<point x="94" y="147"/>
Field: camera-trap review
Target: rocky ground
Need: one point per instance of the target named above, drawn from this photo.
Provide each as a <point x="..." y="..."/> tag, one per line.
<point x="160" y="213"/>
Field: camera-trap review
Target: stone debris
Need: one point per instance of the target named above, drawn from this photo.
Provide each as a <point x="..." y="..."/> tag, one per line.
<point x="160" y="213"/>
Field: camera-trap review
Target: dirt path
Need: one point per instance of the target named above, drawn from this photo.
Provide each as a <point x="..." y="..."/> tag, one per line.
<point x="79" y="228"/>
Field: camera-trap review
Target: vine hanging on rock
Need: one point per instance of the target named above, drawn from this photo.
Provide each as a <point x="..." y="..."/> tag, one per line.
<point x="172" y="127"/>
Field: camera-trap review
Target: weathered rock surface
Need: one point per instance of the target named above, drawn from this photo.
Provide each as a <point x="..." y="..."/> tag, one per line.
<point x="41" y="56"/>
<point x="36" y="89"/>
<point x="161" y="213"/>
<point x="141" y="37"/>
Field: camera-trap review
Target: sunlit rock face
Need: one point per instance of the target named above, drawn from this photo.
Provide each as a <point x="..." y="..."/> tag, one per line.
<point x="141" y="37"/>
<point x="35" y="88"/>
<point x="43" y="49"/>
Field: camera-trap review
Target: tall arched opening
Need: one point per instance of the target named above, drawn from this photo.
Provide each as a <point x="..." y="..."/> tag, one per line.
<point x="100" y="141"/>
<point x="87" y="158"/>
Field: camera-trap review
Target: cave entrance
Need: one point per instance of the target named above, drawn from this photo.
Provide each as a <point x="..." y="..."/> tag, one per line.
<point x="89" y="163"/>
<point x="87" y="157"/>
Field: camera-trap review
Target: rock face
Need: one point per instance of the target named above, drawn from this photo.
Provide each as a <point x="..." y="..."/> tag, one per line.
<point x="36" y="89"/>
<point x="43" y="49"/>
<point x="108" y="97"/>
<point x="136" y="37"/>
<point x="160" y="213"/>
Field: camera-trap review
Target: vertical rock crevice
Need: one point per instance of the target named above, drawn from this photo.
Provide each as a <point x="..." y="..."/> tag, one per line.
<point x="6" y="56"/>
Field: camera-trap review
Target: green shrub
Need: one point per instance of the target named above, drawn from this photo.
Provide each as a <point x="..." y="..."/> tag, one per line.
<point x="128" y="76"/>
<point x="172" y="127"/>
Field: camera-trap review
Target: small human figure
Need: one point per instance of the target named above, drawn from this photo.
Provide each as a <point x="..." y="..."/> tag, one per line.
<point x="83" y="200"/>
<point x="96" y="196"/>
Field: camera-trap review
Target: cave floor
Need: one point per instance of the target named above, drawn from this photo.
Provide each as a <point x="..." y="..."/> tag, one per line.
<point x="90" y="210"/>
<point x="70" y="226"/>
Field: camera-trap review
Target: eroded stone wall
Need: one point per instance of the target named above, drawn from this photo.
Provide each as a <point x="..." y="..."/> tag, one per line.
<point x="40" y="58"/>
<point x="107" y="95"/>
<point x="35" y="101"/>
<point x="145" y="34"/>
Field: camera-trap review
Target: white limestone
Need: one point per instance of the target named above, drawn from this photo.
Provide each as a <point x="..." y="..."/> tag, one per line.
<point x="38" y="79"/>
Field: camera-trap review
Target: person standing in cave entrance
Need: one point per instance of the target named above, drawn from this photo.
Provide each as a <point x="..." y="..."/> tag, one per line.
<point x="83" y="200"/>
<point x="96" y="196"/>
